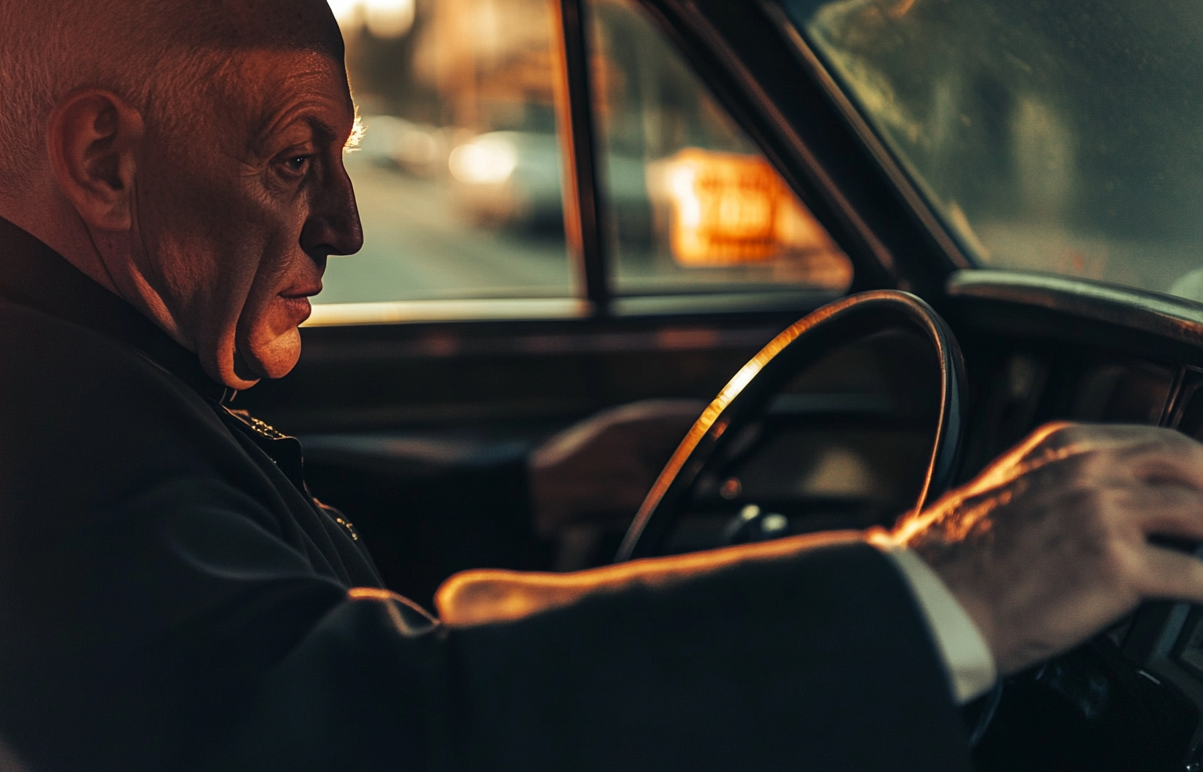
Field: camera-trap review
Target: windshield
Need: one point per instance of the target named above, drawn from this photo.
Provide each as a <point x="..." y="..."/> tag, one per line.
<point x="1063" y="136"/>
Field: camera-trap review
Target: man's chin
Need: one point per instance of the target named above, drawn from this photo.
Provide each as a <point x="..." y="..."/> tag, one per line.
<point x="272" y="358"/>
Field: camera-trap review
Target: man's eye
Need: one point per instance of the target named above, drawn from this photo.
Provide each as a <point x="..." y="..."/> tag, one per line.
<point x="296" y="164"/>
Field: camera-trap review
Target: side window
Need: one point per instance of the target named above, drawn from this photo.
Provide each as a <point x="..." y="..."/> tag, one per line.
<point x="458" y="174"/>
<point x="692" y="205"/>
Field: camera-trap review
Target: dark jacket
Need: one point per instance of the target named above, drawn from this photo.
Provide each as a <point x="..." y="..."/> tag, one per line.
<point x="171" y="596"/>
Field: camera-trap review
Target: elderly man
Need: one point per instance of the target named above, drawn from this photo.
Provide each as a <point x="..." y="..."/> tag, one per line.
<point x="172" y="596"/>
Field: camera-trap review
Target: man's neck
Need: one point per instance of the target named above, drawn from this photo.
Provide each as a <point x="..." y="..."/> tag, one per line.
<point x="53" y="221"/>
<point x="35" y="276"/>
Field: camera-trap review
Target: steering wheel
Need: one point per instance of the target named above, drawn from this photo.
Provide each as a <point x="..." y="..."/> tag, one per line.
<point x="1073" y="678"/>
<point x="748" y="396"/>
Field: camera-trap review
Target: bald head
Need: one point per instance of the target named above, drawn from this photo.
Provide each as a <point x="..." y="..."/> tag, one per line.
<point x="156" y="54"/>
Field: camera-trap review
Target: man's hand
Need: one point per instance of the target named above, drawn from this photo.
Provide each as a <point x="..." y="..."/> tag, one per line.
<point x="599" y="470"/>
<point x="1050" y="544"/>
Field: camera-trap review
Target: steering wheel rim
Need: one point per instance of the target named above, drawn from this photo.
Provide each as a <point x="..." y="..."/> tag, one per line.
<point x="750" y="392"/>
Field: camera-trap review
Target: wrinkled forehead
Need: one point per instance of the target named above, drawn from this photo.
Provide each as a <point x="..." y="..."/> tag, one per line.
<point x="271" y="89"/>
<point x="258" y="61"/>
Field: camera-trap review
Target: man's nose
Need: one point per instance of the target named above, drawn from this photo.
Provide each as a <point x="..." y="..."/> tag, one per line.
<point x="333" y="226"/>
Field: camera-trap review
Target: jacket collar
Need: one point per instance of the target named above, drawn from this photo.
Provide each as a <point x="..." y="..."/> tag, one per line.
<point x="35" y="276"/>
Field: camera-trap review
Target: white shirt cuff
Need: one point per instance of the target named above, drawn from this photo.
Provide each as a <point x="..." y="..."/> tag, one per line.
<point x="967" y="658"/>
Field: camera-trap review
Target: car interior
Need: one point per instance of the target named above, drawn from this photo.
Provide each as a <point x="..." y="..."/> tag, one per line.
<point x="575" y="204"/>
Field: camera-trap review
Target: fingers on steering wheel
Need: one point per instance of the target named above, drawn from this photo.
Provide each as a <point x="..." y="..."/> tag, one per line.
<point x="1172" y="460"/>
<point x="1166" y="510"/>
<point x="1167" y="573"/>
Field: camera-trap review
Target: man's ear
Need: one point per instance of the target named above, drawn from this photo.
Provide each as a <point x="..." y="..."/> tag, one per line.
<point x="93" y="137"/>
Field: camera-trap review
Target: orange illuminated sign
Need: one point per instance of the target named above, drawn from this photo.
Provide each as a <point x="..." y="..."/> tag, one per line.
<point x="725" y="207"/>
<point x="728" y="209"/>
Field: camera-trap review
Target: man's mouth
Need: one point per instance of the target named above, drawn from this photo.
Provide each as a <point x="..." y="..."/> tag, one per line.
<point x="297" y="302"/>
<point x="302" y="293"/>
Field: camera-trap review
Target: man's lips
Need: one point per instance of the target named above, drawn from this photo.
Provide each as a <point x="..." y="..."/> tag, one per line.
<point x="301" y="293"/>
<point x="297" y="301"/>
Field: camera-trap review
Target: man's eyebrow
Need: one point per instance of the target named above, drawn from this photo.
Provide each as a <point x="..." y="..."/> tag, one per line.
<point x="324" y="132"/>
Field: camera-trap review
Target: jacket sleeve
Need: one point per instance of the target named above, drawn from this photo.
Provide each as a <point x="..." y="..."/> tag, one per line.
<point x="806" y="654"/>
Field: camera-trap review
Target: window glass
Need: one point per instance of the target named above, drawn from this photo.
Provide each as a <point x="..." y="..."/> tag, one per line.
<point x="691" y="204"/>
<point x="1063" y="136"/>
<point x="458" y="174"/>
